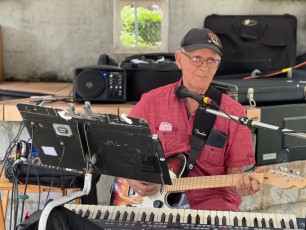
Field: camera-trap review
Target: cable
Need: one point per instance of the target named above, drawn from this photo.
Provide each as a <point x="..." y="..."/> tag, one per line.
<point x="285" y="70"/>
<point x="58" y="166"/>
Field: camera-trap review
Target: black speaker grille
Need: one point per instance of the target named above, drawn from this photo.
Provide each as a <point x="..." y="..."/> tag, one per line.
<point x="90" y="83"/>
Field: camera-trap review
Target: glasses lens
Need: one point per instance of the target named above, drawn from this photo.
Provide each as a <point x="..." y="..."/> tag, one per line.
<point x="198" y="61"/>
<point x="212" y="63"/>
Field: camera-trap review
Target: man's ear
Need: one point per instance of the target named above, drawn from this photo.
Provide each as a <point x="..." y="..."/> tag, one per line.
<point x="178" y="58"/>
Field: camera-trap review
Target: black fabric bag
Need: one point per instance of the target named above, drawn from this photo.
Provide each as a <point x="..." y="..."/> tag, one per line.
<point x="263" y="42"/>
<point x="149" y="71"/>
<point x="60" y="218"/>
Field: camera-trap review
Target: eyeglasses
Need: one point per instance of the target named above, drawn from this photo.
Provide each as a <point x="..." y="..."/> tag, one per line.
<point x="198" y="61"/>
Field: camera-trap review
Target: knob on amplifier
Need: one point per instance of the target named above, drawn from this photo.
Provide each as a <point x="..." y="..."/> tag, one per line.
<point x="100" y="83"/>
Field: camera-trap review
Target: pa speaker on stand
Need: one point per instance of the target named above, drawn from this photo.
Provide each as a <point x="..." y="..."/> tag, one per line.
<point x="100" y="83"/>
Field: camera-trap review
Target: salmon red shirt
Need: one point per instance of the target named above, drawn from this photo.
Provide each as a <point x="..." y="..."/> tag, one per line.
<point x="168" y="117"/>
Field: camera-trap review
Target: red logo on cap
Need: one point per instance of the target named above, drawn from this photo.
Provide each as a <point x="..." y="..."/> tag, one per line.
<point x="214" y="38"/>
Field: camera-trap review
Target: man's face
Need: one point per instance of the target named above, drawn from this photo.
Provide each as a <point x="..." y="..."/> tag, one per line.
<point x="198" y="68"/>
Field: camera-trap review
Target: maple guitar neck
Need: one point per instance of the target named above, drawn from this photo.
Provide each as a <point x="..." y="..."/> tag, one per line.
<point x="272" y="177"/>
<point x="201" y="182"/>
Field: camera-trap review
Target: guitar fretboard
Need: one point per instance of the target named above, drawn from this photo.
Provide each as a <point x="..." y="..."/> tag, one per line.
<point x="192" y="183"/>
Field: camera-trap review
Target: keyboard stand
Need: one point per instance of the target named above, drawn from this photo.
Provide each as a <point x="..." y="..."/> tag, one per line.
<point x="55" y="203"/>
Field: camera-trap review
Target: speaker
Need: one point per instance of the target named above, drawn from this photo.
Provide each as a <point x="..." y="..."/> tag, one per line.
<point x="99" y="83"/>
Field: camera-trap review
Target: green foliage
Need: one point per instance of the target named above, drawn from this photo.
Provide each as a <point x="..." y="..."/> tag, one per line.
<point x="149" y="27"/>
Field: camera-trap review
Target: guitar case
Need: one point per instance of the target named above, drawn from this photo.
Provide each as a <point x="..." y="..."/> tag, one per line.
<point x="264" y="91"/>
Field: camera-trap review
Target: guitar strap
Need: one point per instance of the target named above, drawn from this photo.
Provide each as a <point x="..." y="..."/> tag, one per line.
<point x="202" y="126"/>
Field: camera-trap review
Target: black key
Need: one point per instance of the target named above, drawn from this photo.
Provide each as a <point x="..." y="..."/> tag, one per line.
<point x="197" y="220"/>
<point x="170" y="219"/>
<point x="117" y="215"/>
<point x="163" y="218"/>
<point x="256" y="222"/>
<point x="224" y="221"/>
<point x="244" y="222"/>
<point x="73" y="210"/>
<point x="87" y="214"/>
<point x="106" y="214"/>
<point x="151" y="218"/>
<point x="178" y="218"/>
<point x="143" y="216"/>
<point x="80" y="212"/>
<point x="125" y="214"/>
<point x="98" y="214"/>
<point x="217" y="221"/>
<point x="291" y="224"/>
<point x="283" y="224"/>
<point x="189" y="218"/>
<point x="271" y="224"/>
<point x="263" y="223"/>
<point x="209" y="220"/>
<point x="235" y="221"/>
<point x="132" y="216"/>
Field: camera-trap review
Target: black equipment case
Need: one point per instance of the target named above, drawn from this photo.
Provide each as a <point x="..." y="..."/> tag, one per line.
<point x="263" y="42"/>
<point x="274" y="147"/>
<point x="145" y="72"/>
<point x="273" y="90"/>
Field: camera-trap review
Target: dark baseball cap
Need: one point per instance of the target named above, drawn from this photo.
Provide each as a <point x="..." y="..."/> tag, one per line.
<point x="198" y="38"/>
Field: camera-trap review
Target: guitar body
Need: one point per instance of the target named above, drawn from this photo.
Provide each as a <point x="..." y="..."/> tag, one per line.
<point x="123" y="195"/>
<point x="176" y="165"/>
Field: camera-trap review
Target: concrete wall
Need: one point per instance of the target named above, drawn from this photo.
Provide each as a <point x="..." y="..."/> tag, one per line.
<point x="46" y="40"/>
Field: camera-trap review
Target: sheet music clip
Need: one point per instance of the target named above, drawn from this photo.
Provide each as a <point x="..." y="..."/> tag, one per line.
<point x="71" y="110"/>
<point x="87" y="109"/>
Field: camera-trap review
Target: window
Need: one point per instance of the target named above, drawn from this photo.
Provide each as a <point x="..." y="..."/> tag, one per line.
<point x="140" y="26"/>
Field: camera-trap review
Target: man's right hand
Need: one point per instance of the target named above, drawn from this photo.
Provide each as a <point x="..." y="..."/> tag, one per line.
<point x="143" y="188"/>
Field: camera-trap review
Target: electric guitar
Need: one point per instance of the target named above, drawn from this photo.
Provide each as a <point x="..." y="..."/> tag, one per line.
<point x="169" y="194"/>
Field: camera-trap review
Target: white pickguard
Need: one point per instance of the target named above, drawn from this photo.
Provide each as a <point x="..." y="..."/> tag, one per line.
<point x="148" y="201"/>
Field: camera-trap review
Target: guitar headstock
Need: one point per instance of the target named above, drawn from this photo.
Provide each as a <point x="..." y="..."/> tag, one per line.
<point x="284" y="178"/>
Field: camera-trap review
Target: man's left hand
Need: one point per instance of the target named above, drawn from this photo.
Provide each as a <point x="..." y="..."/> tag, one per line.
<point x="246" y="185"/>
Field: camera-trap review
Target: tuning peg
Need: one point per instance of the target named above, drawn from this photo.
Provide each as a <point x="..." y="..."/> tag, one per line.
<point x="281" y="169"/>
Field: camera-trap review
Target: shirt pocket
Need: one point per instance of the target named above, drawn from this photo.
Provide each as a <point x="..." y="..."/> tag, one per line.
<point x="212" y="157"/>
<point x="174" y="140"/>
<point x="168" y="140"/>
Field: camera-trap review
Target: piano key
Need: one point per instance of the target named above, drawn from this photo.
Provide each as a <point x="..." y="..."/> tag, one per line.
<point x="293" y="219"/>
<point x="278" y="219"/>
<point x="92" y="209"/>
<point x="255" y="219"/>
<point x="84" y="209"/>
<point x="206" y="216"/>
<point x="226" y="220"/>
<point x="245" y="219"/>
<point x="187" y="215"/>
<point x="182" y="213"/>
<point x="193" y="214"/>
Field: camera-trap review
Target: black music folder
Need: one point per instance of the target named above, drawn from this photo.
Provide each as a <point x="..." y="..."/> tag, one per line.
<point x="114" y="146"/>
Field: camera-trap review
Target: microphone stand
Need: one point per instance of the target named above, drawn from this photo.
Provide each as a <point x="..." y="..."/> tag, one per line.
<point x="251" y="123"/>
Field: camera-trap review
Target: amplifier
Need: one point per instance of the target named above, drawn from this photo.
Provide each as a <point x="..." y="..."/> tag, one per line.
<point x="100" y="83"/>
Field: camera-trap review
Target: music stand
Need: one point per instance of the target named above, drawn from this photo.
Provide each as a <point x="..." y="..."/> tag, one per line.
<point x="107" y="144"/>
